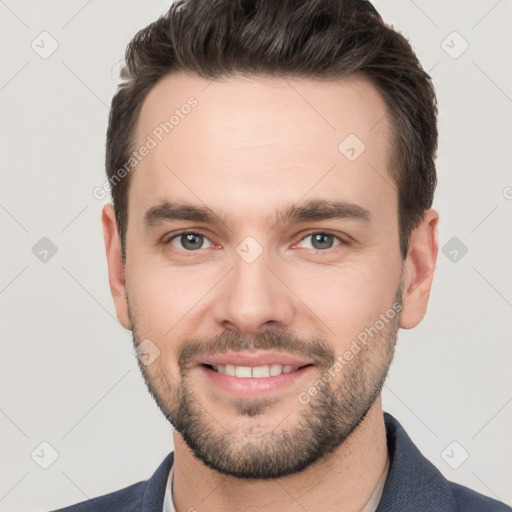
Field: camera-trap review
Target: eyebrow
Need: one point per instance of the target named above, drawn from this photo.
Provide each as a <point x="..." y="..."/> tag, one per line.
<point x="322" y="210"/>
<point x="314" y="210"/>
<point x="179" y="211"/>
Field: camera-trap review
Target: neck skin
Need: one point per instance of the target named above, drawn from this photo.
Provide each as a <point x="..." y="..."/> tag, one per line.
<point x="344" y="480"/>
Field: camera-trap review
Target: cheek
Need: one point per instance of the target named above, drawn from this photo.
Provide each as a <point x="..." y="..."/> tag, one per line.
<point x="349" y="298"/>
<point x="164" y="298"/>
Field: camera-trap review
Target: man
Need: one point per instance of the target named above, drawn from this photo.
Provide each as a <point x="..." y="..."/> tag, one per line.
<point x="272" y="167"/>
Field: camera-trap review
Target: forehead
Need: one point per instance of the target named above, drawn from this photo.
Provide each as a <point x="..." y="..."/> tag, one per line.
<point x="250" y="142"/>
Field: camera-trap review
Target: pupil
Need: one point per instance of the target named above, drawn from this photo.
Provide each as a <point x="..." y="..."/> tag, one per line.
<point x="192" y="241"/>
<point x="322" y="241"/>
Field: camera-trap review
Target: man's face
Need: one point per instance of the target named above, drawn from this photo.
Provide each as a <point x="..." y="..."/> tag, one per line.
<point x="298" y="257"/>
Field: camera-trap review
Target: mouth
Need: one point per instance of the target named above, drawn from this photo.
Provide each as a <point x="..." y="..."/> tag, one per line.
<point x="250" y="375"/>
<point x="255" y="372"/>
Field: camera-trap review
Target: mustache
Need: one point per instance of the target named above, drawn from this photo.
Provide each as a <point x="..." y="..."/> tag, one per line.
<point x="312" y="349"/>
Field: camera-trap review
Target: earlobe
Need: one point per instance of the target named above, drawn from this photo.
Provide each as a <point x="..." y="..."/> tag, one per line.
<point x="419" y="270"/>
<point x="115" y="264"/>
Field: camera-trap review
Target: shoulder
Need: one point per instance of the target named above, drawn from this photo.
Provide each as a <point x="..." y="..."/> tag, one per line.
<point x="415" y="484"/>
<point x="144" y="495"/>
<point x="126" y="500"/>
<point x="471" y="501"/>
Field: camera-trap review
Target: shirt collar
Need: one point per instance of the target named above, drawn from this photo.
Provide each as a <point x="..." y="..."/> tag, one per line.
<point x="411" y="480"/>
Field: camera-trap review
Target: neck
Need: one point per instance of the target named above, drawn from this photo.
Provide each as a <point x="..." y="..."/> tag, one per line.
<point x="344" y="480"/>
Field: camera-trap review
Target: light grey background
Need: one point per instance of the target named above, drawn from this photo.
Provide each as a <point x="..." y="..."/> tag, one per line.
<point x="68" y="374"/>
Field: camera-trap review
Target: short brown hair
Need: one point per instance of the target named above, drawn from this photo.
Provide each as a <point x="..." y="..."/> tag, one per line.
<point x="311" y="39"/>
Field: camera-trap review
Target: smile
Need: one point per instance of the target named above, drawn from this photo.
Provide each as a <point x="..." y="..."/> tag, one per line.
<point x="257" y="372"/>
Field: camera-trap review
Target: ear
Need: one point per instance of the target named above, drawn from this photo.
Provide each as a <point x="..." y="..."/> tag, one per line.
<point x="115" y="265"/>
<point x="419" y="270"/>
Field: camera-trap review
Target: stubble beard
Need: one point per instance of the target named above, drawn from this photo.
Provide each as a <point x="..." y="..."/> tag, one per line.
<point x="322" y="425"/>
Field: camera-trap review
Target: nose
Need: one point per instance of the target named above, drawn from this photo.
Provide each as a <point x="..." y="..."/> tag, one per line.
<point x="253" y="297"/>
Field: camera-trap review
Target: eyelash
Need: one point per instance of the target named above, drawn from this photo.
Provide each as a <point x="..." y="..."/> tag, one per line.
<point x="341" y="240"/>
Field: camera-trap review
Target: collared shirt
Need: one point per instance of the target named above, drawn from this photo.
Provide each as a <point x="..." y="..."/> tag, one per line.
<point x="371" y="505"/>
<point x="413" y="484"/>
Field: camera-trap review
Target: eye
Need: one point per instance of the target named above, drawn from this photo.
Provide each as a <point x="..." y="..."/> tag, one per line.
<point x="189" y="241"/>
<point x="321" y="241"/>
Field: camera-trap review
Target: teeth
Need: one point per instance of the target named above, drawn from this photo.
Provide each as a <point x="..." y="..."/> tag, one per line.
<point x="245" y="372"/>
<point x="229" y="369"/>
<point x="276" y="369"/>
<point x="261" y="371"/>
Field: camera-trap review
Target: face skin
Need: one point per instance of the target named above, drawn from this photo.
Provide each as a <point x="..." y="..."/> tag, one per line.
<point x="249" y="151"/>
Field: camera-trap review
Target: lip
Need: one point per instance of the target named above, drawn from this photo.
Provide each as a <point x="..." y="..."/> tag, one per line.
<point x="253" y="387"/>
<point x="257" y="359"/>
